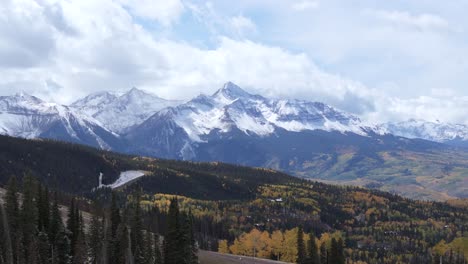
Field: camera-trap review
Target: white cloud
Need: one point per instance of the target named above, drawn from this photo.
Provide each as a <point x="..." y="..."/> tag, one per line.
<point x="164" y="11"/>
<point x="406" y="19"/>
<point x="305" y="5"/>
<point x="26" y="38"/>
<point x="237" y="26"/>
<point x="242" y="25"/>
<point x="113" y="52"/>
<point x="449" y="109"/>
<point x="66" y="49"/>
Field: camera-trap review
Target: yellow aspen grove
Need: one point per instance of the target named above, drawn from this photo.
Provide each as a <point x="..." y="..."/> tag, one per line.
<point x="223" y="246"/>
<point x="289" y="253"/>
<point x="325" y="238"/>
<point x="252" y="242"/>
<point x="236" y="248"/>
<point x="306" y="239"/>
<point x="277" y="244"/>
<point x="264" y="250"/>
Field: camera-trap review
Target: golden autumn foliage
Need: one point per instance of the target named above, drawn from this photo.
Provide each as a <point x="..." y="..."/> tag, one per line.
<point x="277" y="244"/>
<point x="371" y="221"/>
<point x="281" y="245"/>
<point x="441" y="248"/>
<point x="289" y="253"/>
<point x="223" y="246"/>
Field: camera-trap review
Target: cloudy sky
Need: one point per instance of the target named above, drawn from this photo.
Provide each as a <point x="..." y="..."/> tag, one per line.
<point x="382" y="60"/>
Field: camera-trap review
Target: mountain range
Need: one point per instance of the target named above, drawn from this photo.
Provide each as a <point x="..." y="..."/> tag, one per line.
<point x="452" y="134"/>
<point x="307" y="139"/>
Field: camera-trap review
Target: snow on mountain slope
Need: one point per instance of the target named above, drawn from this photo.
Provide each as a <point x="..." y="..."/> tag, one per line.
<point x="23" y="115"/>
<point x="175" y="127"/>
<point x="433" y="131"/>
<point x="233" y="108"/>
<point x="124" y="178"/>
<point x="120" y="113"/>
<point x="94" y="103"/>
<point x="178" y="132"/>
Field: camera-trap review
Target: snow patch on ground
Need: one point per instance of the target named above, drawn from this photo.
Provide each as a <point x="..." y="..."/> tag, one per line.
<point x="124" y="178"/>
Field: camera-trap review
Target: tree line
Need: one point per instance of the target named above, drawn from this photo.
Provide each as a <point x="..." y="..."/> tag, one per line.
<point x="37" y="230"/>
<point x="289" y="246"/>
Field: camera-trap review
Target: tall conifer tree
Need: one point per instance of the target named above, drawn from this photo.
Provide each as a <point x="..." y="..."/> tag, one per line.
<point x="313" y="256"/>
<point x="301" y="251"/>
<point x="12" y="215"/>
<point x="172" y="249"/>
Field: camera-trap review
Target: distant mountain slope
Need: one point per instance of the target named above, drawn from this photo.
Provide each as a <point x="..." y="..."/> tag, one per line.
<point x="94" y="103"/>
<point x="417" y="169"/>
<point x="76" y="169"/>
<point x="22" y="115"/>
<point x="121" y="113"/>
<point x="306" y="139"/>
<point x="453" y="134"/>
<point x="177" y="132"/>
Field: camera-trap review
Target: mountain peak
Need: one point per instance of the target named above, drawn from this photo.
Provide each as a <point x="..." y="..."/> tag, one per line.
<point x="136" y="93"/>
<point x="231" y="91"/>
<point x="25" y="97"/>
<point x="135" y="90"/>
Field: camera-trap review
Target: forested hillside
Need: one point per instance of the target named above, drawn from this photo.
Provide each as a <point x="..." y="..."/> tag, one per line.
<point x="76" y="169"/>
<point x="240" y="210"/>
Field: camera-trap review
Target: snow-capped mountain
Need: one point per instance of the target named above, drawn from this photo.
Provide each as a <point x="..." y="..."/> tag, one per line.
<point x="232" y="110"/>
<point x="433" y="131"/>
<point x="94" y="103"/>
<point x="151" y="125"/>
<point x="23" y="115"/>
<point x="121" y="113"/>
<point x="304" y="138"/>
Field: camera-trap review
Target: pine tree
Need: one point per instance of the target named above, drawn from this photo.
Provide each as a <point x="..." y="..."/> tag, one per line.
<point x="80" y="251"/>
<point x="32" y="256"/>
<point x="340" y="251"/>
<point x="323" y="254"/>
<point x="193" y="253"/>
<point x="62" y="247"/>
<point x="108" y="247"/>
<point x="336" y="252"/>
<point x="301" y="251"/>
<point x="157" y="250"/>
<point x="313" y="256"/>
<point x="39" y="206"/>
<point x="149" y="248"/>
<point x="115" y="215"/>
<point x="172" y="250"/>
<point x="43" y="247"/>
<point x="6" y="253"/>
<point x="55" y="220"/>
<point x="58" y="236"/>
<point x="46" y="209"/>
<point x="43" y="208"/>
<point x="78" y="219"/>
<point x="28" y="219"/>
<point x="122" y="244"/>
<point x="20" y="252"/>
<point x="137" y="241"/>
<point x="95" y="237"/>
<point x="72" y="225"/>
<point x="187" y="239"/>
<point x="12" y="215"/>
